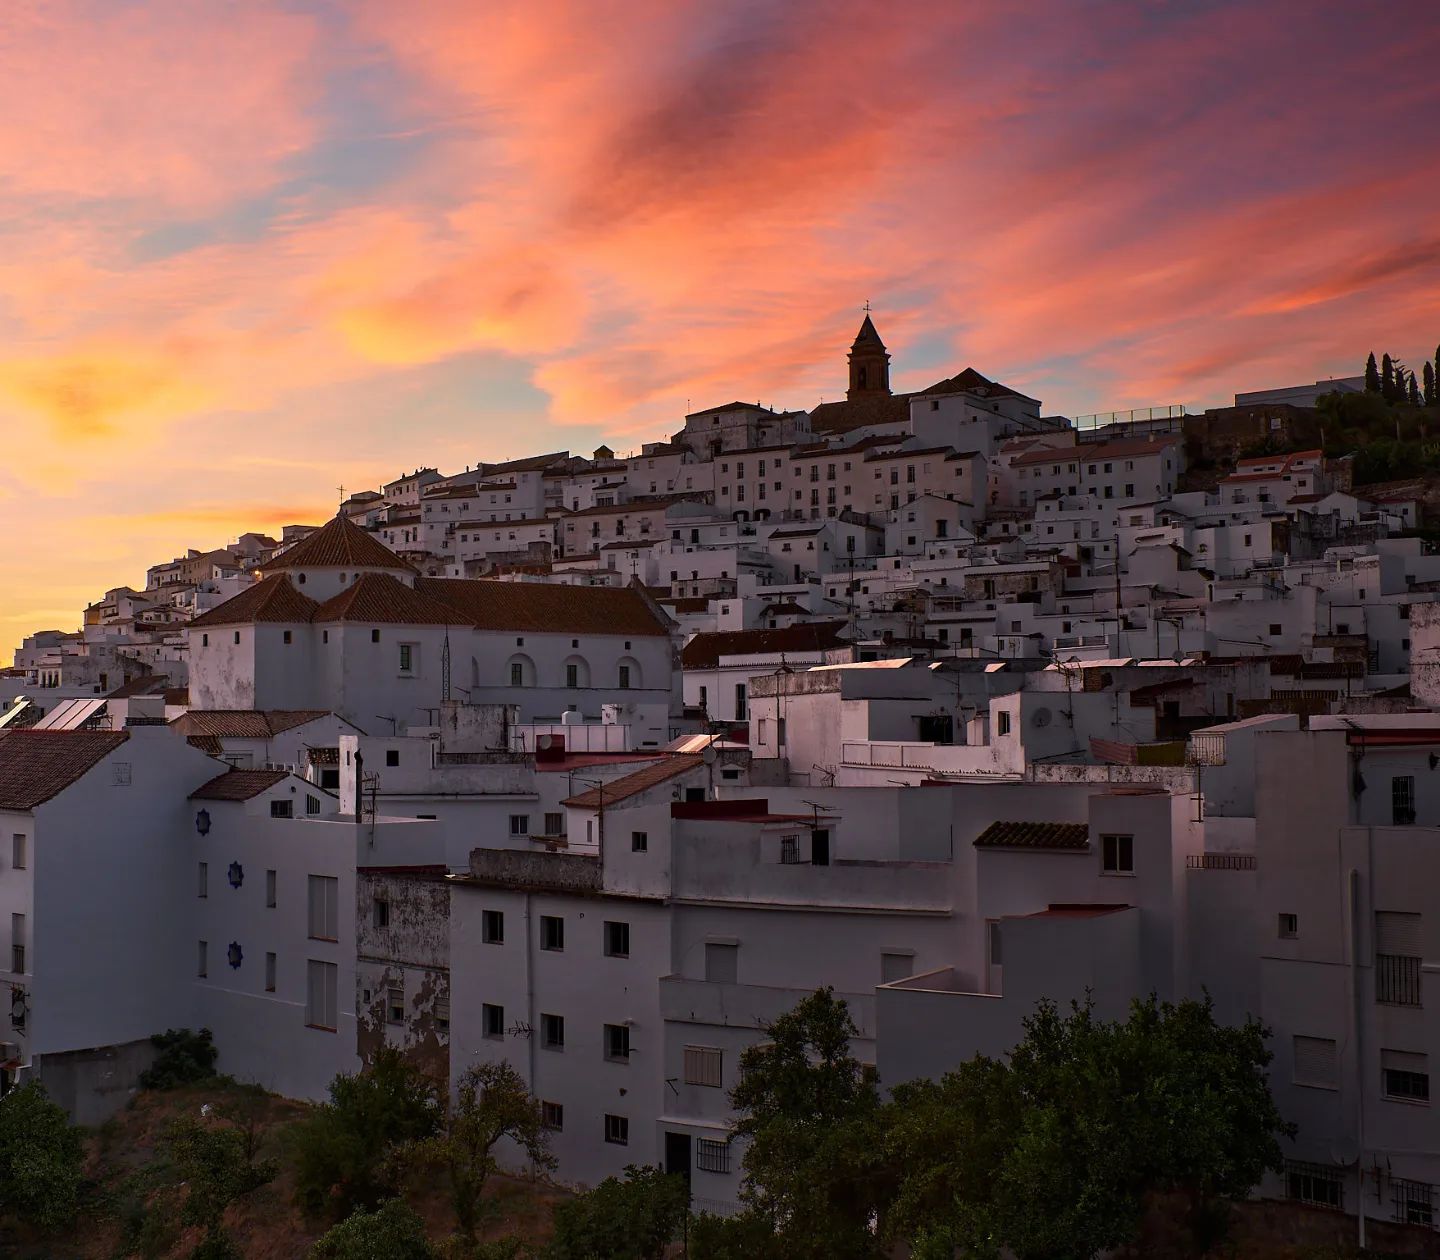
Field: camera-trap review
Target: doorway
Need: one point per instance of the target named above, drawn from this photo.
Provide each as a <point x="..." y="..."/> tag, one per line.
<point x="677" y="1154"/>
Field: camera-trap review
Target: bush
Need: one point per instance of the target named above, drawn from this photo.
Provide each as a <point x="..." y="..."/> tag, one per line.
<point x="394" y="1231"/>
<point x="632" y="1219"/>
<point x="40" y="1158"/>
<point x="344" y="1150"/>
<point x="184" y="1058"/>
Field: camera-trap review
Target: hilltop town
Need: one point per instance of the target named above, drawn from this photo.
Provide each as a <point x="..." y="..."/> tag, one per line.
<point x="599" y="764"/>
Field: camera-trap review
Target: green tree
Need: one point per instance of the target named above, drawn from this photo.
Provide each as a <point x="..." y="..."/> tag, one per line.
<point x="633" y="1219"/>
<point x="810" y="1112"/>
<point x="1387" y="379"/>
<point x="182" y="1058"/>
<point x="491" y="1104"/>
<point x="40" y="1158"/>
<point x="344" y="1149"/>
<point x="1431" y="399"/>
<point x="1412" y="390"/>
<point x="216" y="1165"/>
<point x="743" y="1237"/>
<point x="1372" y="375"/>
<point x="394" y="1231"/>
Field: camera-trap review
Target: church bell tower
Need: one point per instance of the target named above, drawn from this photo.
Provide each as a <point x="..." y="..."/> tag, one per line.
<point x="869" y="364"/>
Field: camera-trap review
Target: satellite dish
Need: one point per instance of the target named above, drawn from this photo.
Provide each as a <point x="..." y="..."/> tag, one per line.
<point x="1041" y="717"/>
<point x="543" y="743"/>
<point x="709" y="756"/>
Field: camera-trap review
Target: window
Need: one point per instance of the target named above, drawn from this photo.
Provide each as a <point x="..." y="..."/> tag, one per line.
<point x="1313" y="1183"/>
<point x="394" y="1005"/>
<point x="741" y="710"/>
<point x="270" y="890"/>
<point x="1402" y="799"/>
<point x="1002" y="722"/>
<point x="442" y="1014"/>
<point x="617" y="1130"/>
<point x="492" y="927"/>
<point x="519" y="824"/>
<point x="374" y="636"/>
<point x="639" y="842"/>
<point x="380" y="913"/>
<point x="203" y="890"/>
<point x="1117" y="855"/>
<point x="572" y="675"/>
<point x="1397" y="958"/>
<point x="897" y="966"/>
<point x="1405" y="1076"/>
<point x="721" y="963"/>
<point x="270" y="972"/>
<point x="517" y="674"/>
<point x="819" y="848"/>
<point x="1288" y="927"/>
<point x="17" y="851"/>
<point x="407" y="658"/>
<point x="282" y="809"/>
<point x="552" y="1032"/>
<point x="712" y="1155"/>
<point x="624" y="677"/>
<point x="285" y="636"/>
<point x="552" y="1115"/>
<point x="324" y="908"/>
<point x="320" y="989"/>
<point x="1316" y="1065"/>
<point x="552" y="932"/>
<point x="704" y="1065"/>
<point x="492" y="1021"/>
<point x="554" y="824"/>
<point x="202" y="960"/>
<point x="617" y="1043"/>
<point x="617" y="939"/>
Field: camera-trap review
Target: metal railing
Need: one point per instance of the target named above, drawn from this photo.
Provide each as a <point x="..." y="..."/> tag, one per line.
<point x="1220" y="861"/>
<point x="1397" y="979"/>
<point x="1206" y="748"/>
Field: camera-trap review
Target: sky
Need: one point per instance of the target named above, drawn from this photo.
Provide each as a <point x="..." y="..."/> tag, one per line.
<point x="250" y="252"/>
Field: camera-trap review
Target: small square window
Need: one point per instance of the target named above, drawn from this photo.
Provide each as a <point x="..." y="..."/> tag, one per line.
<point x="375" y="636"/>
<point x="552" y="1115"/>
<point x="282" y="809"/>
<point x="519" y="824"/>
<point x="1288" y="926"/>
<point x="285" y="636"/>
<point x="395" y="1005"/>
<point x="380" y="913"/>
<point x="639" y="842"/>
<point x="617" y="1130"/>
<point x="17" y="851"/>
<point x="1117" y="855"/>
<point x="552" y="932"/>
<point x="392" y="756"/>
<point x="617" y="939"/>
<point x="492" y="1021"/>
<point x="552" y="1032"/>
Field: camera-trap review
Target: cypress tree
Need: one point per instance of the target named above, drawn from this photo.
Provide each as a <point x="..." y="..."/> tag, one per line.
<point x="1430" y="399"/>
<point x="1387" y="378"/>
<point x="1372" y="373"/>
<point x="1437" y="376"/>
<point x="1412" y="391"/>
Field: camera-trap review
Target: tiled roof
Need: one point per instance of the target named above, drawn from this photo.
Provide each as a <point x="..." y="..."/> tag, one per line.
<point x="273" y="599"/>
<point x="633" y="784"/>
<point x="970" y="381"/>
<point x="238" y="785"/>
<point x="145" y="685"/>
<point x="38" y="765"/>
<point x="1033" y="835"/>
<point x="529" y="464"/>
<point x="337" y="544"/>
<point x="635" y="505"/>
<point x="1089" y="452"/>
<point x="381" y="598"/>
<point x="843" y="417"/>
<point x="546" y="607"/>
<point x="705" y="650"/>
<point x="244" y="723"/>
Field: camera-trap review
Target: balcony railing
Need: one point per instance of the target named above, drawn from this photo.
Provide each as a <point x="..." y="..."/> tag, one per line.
<point x="1220" y="861"/>
<point x="1397" y="979"/>
<point x="1207" y="748"/>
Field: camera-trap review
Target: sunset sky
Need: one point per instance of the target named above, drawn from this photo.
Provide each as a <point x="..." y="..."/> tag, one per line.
<point x="251" y="251"/>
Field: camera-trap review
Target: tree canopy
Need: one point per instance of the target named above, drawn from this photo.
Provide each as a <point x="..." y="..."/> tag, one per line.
<point x="40" y="1158"/>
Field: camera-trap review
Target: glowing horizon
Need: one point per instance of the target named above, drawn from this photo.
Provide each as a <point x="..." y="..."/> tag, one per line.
<point x="250" y="254"/>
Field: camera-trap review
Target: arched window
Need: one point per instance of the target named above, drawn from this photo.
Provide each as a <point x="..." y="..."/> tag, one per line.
<point x="577" y="671"/>
<point x="520" y="671"/>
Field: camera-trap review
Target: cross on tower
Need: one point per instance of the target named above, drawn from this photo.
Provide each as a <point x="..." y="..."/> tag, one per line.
<point x="867" y="306"/>
<point x="341" y="489"/>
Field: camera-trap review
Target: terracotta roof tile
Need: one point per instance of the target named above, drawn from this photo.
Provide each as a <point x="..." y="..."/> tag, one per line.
<point x="1033" y="835"/>
<point x="381" y="598"/>
<point x="244" y="723"/>
<point x="547" y="607"/>
<point x="273" y="599"/>
<point x="38" y="765"/>
<point x="629" y="785"/>
<point x="843" y="417"/>
<point x="238" y="785"/>
<point x="336" y="544"/>
<point x="705" y="650"/>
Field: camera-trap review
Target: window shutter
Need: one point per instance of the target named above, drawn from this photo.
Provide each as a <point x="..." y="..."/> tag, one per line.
<point x="1397" y="933"/>
<point x="1315" y="1062"/>
<point x="1403" y="1061"/>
